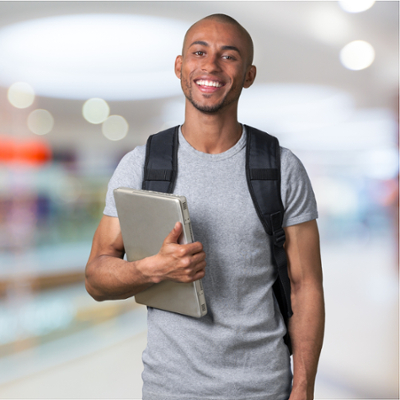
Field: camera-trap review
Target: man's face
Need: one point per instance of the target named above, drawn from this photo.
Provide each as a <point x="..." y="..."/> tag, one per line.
<point x="215" y="66"/>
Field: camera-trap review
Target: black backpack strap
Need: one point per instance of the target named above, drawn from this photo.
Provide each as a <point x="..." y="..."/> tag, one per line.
<point x="161" y="163"/>
<point x="264" y="181"/>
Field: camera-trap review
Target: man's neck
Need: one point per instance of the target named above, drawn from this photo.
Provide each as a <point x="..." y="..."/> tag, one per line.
<point x="211" y="133"/>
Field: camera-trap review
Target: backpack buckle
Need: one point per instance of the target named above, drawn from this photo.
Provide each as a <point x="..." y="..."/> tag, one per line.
<point x="279" y="237"/>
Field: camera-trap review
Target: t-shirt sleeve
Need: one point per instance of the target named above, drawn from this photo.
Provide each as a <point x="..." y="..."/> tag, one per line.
<point x="297" y="194"/>
<point x="129" y="173"/>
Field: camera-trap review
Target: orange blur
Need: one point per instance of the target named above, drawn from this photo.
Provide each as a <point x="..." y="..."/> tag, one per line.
<point x="24" y="151"/>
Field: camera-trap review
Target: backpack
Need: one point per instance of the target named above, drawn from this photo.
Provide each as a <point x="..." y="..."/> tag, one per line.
<point x="264" y="182"/>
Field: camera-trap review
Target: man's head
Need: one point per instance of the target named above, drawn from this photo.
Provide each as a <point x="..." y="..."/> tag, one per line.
<point x="226" y="19"/>
<point x="216" y="63"/>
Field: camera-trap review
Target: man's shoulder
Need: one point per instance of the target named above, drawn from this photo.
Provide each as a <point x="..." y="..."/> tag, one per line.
<point x="132" y="160"/>
<point x="287" y="154"/>
<point x="289" y="159"/>
<point x="134" y="155"/>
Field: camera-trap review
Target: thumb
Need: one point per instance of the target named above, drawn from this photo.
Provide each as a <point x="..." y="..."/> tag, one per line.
<point x="173" y="236"/>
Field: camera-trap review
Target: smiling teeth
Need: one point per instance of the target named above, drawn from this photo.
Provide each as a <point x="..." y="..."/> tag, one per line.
<point x="208" y="83"/>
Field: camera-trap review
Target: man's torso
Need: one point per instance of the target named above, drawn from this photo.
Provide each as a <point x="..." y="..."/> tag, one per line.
<point x="236" y="350"/>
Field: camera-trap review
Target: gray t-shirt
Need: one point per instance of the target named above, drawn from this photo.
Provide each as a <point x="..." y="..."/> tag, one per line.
<point x="236" y="351"/>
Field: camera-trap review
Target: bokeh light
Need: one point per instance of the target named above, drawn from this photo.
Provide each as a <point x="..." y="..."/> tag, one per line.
<point x="357" y="55"/>
<point x="95" y="110"/>
<point x="40" y="122"/>
<point x="356" y="6"/>
<point x="115" y="127"/>
<point x="21" y="95"/>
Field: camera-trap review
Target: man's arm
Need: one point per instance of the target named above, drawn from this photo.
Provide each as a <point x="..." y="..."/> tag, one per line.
<point x="109" y="277"/>
<point x="306" y="326"/>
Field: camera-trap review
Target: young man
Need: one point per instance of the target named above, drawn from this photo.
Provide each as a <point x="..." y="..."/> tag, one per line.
<point x="236" y="351"/>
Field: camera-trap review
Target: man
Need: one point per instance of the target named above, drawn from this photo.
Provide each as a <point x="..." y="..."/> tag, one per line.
<point x="236" y="351"/>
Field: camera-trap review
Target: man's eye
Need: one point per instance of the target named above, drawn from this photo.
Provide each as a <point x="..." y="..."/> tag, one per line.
<point x="227" y="57"/>
<point x="199" y="53"/>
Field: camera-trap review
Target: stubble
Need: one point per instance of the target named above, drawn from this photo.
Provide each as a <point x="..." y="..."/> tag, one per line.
<point x="225" y="102"/>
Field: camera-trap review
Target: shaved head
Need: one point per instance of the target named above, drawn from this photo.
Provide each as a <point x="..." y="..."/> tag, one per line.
<point x="226" y="19"/>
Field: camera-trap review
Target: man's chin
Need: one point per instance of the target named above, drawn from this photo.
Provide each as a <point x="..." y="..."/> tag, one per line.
<point x="207" y="109"/>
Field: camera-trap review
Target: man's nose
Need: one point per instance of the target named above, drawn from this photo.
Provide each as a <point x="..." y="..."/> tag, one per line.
<point x="211" y="64"/>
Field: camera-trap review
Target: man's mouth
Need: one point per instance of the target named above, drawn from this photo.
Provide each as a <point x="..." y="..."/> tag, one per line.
<point x="206" y="83"/>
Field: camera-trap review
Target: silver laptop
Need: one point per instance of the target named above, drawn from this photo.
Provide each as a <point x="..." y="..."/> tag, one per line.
<point x="146" y="218"/>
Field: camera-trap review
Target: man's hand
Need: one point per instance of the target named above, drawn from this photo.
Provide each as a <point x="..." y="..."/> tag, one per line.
<point x="109" y="277"/>
<point x="177" y="262"/>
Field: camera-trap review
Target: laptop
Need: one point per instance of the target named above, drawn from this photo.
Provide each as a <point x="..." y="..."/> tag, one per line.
<point x="146" y="218"/>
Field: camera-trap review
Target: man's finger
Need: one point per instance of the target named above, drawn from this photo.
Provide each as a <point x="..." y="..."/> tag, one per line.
<point x="173" y="236"/>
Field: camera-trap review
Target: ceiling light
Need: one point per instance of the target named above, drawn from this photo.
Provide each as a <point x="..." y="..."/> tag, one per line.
<point x="21" y="95"/>
<point x="40" y="122"/>
<point x="95" y="110"/>
<point x="115" y="127"/>
<point x="111" y="56"/>
<point x="357" y="55"/>
<point x="356" y="6"/>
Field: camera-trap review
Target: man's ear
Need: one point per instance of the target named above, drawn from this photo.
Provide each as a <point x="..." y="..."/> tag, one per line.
<point x="250" y="76"/>
<point x="178" y="66"/>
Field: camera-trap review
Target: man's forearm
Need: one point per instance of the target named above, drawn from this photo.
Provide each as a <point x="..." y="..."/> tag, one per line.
<point x="306" y="329"/>
<point x="111" y="278"/>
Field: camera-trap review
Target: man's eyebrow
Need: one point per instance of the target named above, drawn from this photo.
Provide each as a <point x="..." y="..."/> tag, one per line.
<point x="199" y="42"/>
<point x="230" y="48"/>
<point x="234" y="48"/>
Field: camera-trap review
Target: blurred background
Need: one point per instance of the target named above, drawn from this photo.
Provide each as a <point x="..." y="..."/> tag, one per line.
<point x="83" y="83"/>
